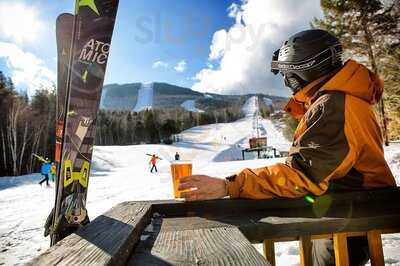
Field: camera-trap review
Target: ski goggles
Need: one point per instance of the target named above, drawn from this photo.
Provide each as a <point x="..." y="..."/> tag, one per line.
<point x="333" y="52"/>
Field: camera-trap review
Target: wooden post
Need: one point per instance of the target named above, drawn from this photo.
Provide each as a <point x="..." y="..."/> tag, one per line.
<point x="305" y="250"/>
<point x="375" y="248"/>
<point x="340" y="247"/>
<point x="269" y="251"/>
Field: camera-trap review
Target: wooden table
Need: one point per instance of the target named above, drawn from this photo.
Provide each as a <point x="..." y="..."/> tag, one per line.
<point x="220" y="232"/>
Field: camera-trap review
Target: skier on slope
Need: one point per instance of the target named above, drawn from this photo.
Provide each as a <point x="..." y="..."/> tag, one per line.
<point x="45" y="171"/>
<point x="153" y="162"/>
<point x="337" y="144"/>
<point x="177" y="156"/>
<point x="53" y="171"/>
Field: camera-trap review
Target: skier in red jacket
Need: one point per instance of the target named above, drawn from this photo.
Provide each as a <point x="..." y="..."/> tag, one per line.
<point x="153" y="162"/>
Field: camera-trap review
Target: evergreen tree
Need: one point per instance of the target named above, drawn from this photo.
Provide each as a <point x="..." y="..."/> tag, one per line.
<point x="140" y="132"/>
<point x="370" y="32"/>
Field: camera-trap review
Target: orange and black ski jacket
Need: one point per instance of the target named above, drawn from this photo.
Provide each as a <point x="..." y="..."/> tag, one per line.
<point x="337" y="144"/>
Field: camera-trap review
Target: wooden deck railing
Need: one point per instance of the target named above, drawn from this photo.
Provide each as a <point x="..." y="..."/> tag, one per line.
<point x="220" y="232"/>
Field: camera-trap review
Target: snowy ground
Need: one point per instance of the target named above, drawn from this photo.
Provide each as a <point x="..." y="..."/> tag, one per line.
<point x="121" y="173"/>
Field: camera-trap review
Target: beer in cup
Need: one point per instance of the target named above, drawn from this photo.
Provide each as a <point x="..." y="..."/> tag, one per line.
<point x="180" y="169"/>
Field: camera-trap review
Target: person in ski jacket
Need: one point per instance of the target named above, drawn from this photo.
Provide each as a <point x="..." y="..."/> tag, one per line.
<point x="153" y="162"/>
<point x="45" y="171"/>
<point x="53" y="171"/>
<point x="337" y="144"/>
<point x="177" y="156"/>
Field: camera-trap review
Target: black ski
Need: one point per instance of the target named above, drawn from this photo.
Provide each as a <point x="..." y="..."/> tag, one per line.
<point x="92" y="31"/>
<point x="64" y="26"/>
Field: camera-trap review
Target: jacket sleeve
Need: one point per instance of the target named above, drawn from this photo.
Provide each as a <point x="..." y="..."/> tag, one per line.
<point x="324" y="149"/>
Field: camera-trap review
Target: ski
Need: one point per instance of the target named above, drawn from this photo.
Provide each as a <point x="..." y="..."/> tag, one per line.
<point x="64" y="26"/>
<point x="92" y="30"/>
<point x="40" y="158"/>
<point x="151" y="155"/>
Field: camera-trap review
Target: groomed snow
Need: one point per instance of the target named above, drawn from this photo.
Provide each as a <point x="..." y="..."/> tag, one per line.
<point x="268" y="101"/>
<point x="145" y="97"/>
<point x="189" y="105"/>
<point x="121" y="173"/>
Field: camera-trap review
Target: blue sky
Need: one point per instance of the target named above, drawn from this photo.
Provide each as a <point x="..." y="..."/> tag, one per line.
<point x="221" y="46"/>
<point x="170" y="32"/>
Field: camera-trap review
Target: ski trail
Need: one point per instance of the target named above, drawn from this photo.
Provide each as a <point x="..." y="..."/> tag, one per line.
<point x="145" y="97"/>
<point x="189" y="105"/>
<point x="250" y="107"/>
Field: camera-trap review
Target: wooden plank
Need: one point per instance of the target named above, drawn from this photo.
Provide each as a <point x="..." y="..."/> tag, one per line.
<point x="174" y="208"/>
<point x="375" y="248"/>
<point x="258" y="230"/>
<point x="107" y="240"/>
<point x="269" y="251"/>
<point x="340" y="247"/>
<point x="305" y="250"/>
<point x="196" y="246"/>
<point x="189" y="223"/>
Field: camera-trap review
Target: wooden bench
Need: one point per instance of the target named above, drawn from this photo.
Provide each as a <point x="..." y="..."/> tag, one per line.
<point x="220" y="232"/>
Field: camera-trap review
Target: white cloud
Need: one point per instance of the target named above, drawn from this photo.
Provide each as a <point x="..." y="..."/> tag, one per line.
<point x="160" y="64"/>
<point x="19" y="22"/>
<point x="27" y="69"/>
<point x="241" y="54"/>
<point x="235" y="11"/>
<point x="181" y="66"/>
<point x="218" y="45"/>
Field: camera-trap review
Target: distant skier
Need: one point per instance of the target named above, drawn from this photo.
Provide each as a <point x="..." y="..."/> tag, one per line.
<point x="45" y="171"/>
<point x="177" y="156"/>
<point x="153" y="162"/>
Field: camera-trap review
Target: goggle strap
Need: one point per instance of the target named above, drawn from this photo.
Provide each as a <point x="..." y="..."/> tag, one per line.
<point x="334" y="54"/>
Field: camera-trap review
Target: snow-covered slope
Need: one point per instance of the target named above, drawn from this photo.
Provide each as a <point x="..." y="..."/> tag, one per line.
<point x="189" y="105"/>
<point x="268" y="102"/>
<point x="250" y="107"/>
<point x="145" y="97"/>
<point x="121" y="173"/>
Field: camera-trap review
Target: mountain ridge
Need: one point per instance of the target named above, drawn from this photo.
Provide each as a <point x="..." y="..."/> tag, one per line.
<point x="118" y="97"/>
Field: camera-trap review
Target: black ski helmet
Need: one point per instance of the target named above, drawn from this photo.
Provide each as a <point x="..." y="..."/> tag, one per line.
<point x="306" y="56"/>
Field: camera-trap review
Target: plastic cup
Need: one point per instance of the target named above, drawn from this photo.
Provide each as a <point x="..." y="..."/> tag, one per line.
<point x="180" y="169"/>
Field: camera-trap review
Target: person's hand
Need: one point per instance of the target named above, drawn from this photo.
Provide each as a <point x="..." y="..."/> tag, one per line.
<point x="202" y="187"/>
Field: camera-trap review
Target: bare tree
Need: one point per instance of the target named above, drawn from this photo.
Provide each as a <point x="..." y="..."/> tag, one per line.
<point x="4" y="149"/>
<point x="12" y="128"/>
<point x="24" y="142"/>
